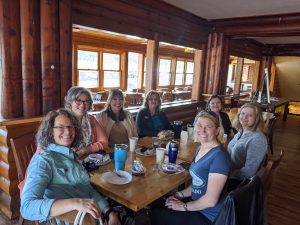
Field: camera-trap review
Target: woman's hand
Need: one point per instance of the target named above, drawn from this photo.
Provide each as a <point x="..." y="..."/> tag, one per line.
<point x="175" y="204"/>
<point x="87" y="205"/>
<point x="114" y="219"/>
<point x="81" y="152"/>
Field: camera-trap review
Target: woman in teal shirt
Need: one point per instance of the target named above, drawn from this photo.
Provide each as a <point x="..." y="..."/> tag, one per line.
<point x="56" y="181"/>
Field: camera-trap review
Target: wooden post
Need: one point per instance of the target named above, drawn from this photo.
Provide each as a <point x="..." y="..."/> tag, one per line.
<point x="10" y="59"/>
<point x="198" y="76"/>
<point x="65" y="47"/>
<point x="152" y="62"/>
<point x="50" y="55"/>
<point x="31" y="57"/>
<point x="238" y="76"/>
<point x="255" y="76"/>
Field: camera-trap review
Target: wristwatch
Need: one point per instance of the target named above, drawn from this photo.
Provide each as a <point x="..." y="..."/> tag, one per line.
<point x="185" y="206"/>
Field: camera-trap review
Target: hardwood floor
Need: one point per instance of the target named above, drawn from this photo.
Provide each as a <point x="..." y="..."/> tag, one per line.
<point x="284" y="196"/>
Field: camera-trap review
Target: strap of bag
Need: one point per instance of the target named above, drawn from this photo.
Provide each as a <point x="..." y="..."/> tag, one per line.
<point x="80" y="217"/>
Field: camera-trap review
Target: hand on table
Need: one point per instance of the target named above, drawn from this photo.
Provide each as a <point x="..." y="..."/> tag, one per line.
<point x="175" y="204"/>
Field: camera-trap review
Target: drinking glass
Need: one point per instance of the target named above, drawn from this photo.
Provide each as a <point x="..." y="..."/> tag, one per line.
<point x="155" y="142"/>
<point x="120" y="155"/>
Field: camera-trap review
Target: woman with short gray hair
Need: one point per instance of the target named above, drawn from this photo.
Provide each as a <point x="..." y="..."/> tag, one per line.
<point x="79" y="101"/>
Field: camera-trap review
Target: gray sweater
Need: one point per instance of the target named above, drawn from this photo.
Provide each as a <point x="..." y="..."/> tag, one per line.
<point x="247" y="152"/>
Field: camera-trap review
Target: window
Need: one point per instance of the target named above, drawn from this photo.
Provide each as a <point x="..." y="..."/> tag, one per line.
<point x="111" y="70"/>
<point x="189" y="73"/>
<point x="164" y="72"/>
<point x="179" y="79"/>
<point x="88" y="69"/>
<point x="184" y="73"/>
<point x="133" y="71"/>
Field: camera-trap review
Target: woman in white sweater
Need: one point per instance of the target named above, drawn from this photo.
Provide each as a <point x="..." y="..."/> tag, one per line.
<point x="117" y="122"/>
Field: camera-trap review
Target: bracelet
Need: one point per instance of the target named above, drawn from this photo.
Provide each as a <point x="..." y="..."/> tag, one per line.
<point x="185" y="206"/>
<point x="181" y="194"/>
<point x="107" y="213"/>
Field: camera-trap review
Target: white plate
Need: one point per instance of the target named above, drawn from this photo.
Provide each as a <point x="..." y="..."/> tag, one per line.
<point x="171" y="168"/>
<point x="113" y="178"/>
<point x="149" y="152"/>
<point x="98" y="159"/>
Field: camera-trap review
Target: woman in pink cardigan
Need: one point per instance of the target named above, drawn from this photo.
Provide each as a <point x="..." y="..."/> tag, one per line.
<point x="117" y="122"/>
<point x="79" y="101"/>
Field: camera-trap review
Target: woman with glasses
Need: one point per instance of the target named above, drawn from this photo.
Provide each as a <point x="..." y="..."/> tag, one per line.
<point x="117" y="122"/>
<point x="200" y="202"/>
<point x="150" y="120"/>
<point x="79" y="101"/>
<point x="56" y="181"/>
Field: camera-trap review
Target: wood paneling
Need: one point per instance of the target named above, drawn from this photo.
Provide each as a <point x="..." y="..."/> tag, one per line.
<point x="246" y="49"/>
<point x="142" y="18"/>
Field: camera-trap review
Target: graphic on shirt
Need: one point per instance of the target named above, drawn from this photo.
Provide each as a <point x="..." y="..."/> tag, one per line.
<point x="197" y="184"/>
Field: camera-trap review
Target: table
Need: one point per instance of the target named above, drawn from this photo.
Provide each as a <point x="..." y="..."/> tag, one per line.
<point x="142" y="190"/>
<point x="187" y="148"/>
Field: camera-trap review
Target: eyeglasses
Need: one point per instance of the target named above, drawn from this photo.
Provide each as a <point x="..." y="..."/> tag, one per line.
<point x="62" y="128"/>
<point x="80" y="102"/>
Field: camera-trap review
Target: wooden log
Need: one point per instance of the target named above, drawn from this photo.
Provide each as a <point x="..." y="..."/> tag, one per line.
<point x="197" y="77"/>
<point x="50" y="55"/>
<point x="31" y="57"/>
<point x="238" y="76"/>
<point x="10" y="65"/>
<point x="65" y="47"/>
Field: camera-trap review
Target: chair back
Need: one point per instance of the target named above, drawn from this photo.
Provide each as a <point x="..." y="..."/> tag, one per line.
<point x="23" y="148"/>
<point x="69" y="218"/>
<point x="270" y="171"/>
<point x="270" y="132"/>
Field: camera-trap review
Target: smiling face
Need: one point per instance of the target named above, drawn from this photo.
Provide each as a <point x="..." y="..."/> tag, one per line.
<point x="63" y="131"/>
<point x="80" y="105"/>
<point x="206" y="130"/>
<point x="247" y="118"/>
<point x="215" y="105"/>
<point x="116" y="103"/>
<point x="153" y="102"/>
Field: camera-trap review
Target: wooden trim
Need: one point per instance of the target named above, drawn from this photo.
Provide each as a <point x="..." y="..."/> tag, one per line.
<point x="238" y="76"/>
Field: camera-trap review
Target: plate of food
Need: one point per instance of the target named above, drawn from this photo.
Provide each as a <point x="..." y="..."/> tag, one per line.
<point x="144" y="151"/>
<point x="166" y="135"/>
<point x="98" y="159"/>
<point x="171" y="168"/>
<point x="117" y="177"/>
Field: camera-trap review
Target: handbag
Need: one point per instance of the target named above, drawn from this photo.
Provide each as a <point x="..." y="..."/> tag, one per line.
<point x="80" y="216"/>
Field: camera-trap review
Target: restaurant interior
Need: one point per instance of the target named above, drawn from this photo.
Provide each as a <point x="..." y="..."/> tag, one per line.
<point x="185" y="50"/>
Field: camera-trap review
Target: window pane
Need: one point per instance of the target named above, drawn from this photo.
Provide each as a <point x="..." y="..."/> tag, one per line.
<point x="180" y="67"/>
<point x="189" y="78"/>
<point x="88" y="79"/>
<point x="133" y="70"/>
<point x="164" y="79"/>
<point x="111" y="79"/>
<point x="145" y="63"/>
<point x="179" y="79"/>
<point x="87" y="60"/>
<point x="165" y="65"/>
<point x="190" y="67"/>
<point x="111" y="61"/>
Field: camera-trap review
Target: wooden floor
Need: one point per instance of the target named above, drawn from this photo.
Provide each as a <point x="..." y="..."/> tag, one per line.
<point x="284" y="197"/>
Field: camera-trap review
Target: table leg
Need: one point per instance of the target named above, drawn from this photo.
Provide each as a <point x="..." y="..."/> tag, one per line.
<point x="285" y="112"/>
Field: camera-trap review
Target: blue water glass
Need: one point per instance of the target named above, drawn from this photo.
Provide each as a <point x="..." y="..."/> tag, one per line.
<point x="120" y="155"/>
<point x="173" y="151"/>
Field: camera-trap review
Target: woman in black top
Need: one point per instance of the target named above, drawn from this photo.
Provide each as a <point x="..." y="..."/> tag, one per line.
<point x="214" y="105"/>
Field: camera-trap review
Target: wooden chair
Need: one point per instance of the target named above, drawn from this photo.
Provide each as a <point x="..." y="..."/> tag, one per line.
<point x="70" y="218"/>
<point x="270" y="172"/>
<point x="270" y="132"/>
<point x="23" y="148"/>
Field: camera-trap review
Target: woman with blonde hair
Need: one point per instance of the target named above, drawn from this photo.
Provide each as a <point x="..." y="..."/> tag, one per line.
<point x="117" y="122"/>
<point x="201" y="202"/>
<point x="249" y="146"/>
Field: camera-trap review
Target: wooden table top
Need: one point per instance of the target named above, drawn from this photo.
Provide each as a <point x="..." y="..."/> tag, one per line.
<point x="142" y="190"/>
<point x="187" y="147"/>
